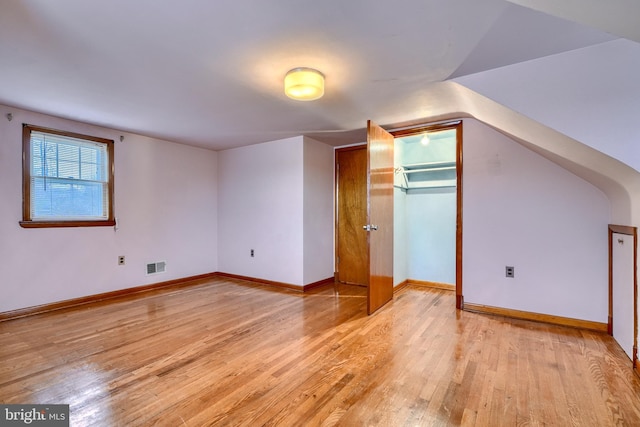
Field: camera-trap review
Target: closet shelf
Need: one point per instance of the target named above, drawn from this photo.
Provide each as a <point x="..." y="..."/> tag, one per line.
<point x="443" y="168"/>
<point x="426" y="175"/>
<point x="429" y="165"/>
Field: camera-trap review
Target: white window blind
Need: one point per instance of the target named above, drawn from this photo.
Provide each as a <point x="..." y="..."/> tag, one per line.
<point x="69" y="178"/>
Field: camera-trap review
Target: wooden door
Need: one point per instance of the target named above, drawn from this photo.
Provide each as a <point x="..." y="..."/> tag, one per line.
<point x="352" y="264"/>
<point x="379" y="216"/>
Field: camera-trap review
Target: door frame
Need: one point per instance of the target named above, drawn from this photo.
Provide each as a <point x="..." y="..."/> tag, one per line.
<point x="629" y="231"/>
<point x="336" y="236"/>
<point x="446" y="125"/>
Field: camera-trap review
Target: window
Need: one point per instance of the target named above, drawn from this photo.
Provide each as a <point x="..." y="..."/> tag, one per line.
<point x="67" y="179"/>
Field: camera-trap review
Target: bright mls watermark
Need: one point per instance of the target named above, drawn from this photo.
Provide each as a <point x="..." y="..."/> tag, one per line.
<point x="34" y="415"/>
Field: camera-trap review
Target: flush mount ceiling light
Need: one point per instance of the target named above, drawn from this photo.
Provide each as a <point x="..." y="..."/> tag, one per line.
<point x="304" y="84"/>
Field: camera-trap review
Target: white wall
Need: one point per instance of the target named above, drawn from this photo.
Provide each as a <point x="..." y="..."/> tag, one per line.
<point x="400" y="272"/>
<point x="318" y="211"/>
<point x="522" y="210"/>
<point x="431" y="225"/>
<point x="262" y="206"/>
<point x="424" y="235"/>
<point x="165" y="203"/>
<point x="400" y="238"/>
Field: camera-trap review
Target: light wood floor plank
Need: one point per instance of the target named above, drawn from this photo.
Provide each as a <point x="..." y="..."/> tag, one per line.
<point x="228" y="352"/>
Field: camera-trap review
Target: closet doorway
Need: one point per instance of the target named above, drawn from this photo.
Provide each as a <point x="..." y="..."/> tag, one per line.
<point x="427" y="205"/>
<point x="427" y="209"/>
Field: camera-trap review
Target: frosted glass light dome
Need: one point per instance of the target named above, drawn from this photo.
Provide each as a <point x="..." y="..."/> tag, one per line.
<point x="304" y="84"/>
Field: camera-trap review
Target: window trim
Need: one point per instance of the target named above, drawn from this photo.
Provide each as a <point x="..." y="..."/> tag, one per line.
<point x="27" y="222"/>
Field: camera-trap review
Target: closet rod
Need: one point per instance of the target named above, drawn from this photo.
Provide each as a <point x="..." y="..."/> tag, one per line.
<point x="429" y="169"/>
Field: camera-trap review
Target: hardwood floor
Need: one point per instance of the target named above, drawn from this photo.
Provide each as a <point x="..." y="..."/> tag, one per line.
<point x="228" y="352"/>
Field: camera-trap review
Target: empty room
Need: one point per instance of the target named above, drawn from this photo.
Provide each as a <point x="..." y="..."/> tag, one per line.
<point x="409" y="213"/>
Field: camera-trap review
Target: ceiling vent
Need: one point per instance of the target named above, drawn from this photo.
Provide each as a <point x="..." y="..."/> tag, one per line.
<point x="156" y="267"/>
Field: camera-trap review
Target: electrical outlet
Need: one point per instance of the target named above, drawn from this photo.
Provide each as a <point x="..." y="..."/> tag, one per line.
<point x="509" y="271"/>
<point x="121" y="260"/>
<point x="252" y="253"/>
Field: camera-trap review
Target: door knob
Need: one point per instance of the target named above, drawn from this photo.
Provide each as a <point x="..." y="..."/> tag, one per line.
<point x="370" y="227"/>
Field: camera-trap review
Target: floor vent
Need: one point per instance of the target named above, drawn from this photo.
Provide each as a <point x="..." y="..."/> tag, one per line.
<point x="156" y="267"/>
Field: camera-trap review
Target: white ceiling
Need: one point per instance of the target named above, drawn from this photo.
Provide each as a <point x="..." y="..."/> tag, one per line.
<point x="209" y="73"/>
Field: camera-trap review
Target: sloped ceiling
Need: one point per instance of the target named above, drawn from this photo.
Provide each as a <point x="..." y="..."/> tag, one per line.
<point x="210" y="73"/>
<point x="516" y="37"/>
<point x="619" y="17"/>
<point x="595" y="99"/>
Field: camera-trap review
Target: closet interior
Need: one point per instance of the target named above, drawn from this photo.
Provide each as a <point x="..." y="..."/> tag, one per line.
<point x="425" y="207"/>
